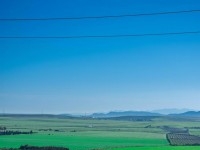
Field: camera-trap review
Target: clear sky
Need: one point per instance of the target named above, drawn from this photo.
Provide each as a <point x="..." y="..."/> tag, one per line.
<point x="102" y="74"/>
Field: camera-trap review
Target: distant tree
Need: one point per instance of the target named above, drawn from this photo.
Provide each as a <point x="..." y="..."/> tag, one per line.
<point x="27" y="147"/>
<point x="2" y="129"/>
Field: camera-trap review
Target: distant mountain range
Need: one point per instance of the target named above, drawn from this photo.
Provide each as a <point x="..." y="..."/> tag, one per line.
<point x="143" y="113"/>
<point x="188" y="114"/>
<point x="113" y="114"/>
<point x="171" y="111"/>
<point x="124" y="113"/>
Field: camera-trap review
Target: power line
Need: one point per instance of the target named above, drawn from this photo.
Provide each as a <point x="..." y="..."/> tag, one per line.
<point x="99" y="36"/>
<point x="102" y="17"/>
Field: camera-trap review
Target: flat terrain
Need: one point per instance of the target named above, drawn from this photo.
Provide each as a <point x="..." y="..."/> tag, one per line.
<point x="86" y="133"/>
<point x="161" y="148"/>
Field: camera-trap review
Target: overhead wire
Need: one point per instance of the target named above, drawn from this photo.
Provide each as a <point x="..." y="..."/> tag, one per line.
<point x="99" y="36"/>
<point x="101" y="17"/>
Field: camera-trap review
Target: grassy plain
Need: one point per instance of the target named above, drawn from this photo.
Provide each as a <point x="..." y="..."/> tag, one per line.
<point x="160" y="148"/>
<point x="86" y="134"/>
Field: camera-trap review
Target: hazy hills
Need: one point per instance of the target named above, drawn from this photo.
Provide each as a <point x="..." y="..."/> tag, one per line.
<point x="188" y="114"/>
<point x="124" y="113"/>
<point x="171" y="111"/>
<point x="113" y="114"/>
<point x="143" y="113"/>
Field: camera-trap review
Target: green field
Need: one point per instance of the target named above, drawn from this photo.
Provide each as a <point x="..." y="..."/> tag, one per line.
<point x="86" y="134"/>
<point x="160" y="148"/>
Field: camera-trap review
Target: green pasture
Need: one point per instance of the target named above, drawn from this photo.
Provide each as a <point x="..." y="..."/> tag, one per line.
<point x="87" y="134"/>
<point x="159" y="148"/>
<point x="85" y="140"/>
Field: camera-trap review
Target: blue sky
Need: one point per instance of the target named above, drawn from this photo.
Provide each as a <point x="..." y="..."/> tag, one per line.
<point x="98" y="75"/>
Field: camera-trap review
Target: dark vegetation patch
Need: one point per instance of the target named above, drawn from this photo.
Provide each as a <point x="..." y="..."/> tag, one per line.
<point x="37" y="116"/>
<point x="176" y="139"/>
<point x="132" y="118"/>
<point x="4" y="131"/>
<point x="180" y="136"/>
<point x="16" y="132"/>
<point x="193" y="127"/>
<point x="27" y="147"/>
<point x="174" y="130"/>
<point x="54" y="130"/>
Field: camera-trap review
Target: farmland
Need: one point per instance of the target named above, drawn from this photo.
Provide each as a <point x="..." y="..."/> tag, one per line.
<point x="183" y="139"/>
<point x="88" y="133"/>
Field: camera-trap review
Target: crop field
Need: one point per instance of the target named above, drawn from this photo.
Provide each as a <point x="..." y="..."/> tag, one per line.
<point x="183" y="139"/>
<point x="161" y="148"/>
<point x="88" y="133"/>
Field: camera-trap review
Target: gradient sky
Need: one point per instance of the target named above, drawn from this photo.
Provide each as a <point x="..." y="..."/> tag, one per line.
<point x="103" y="74"/>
